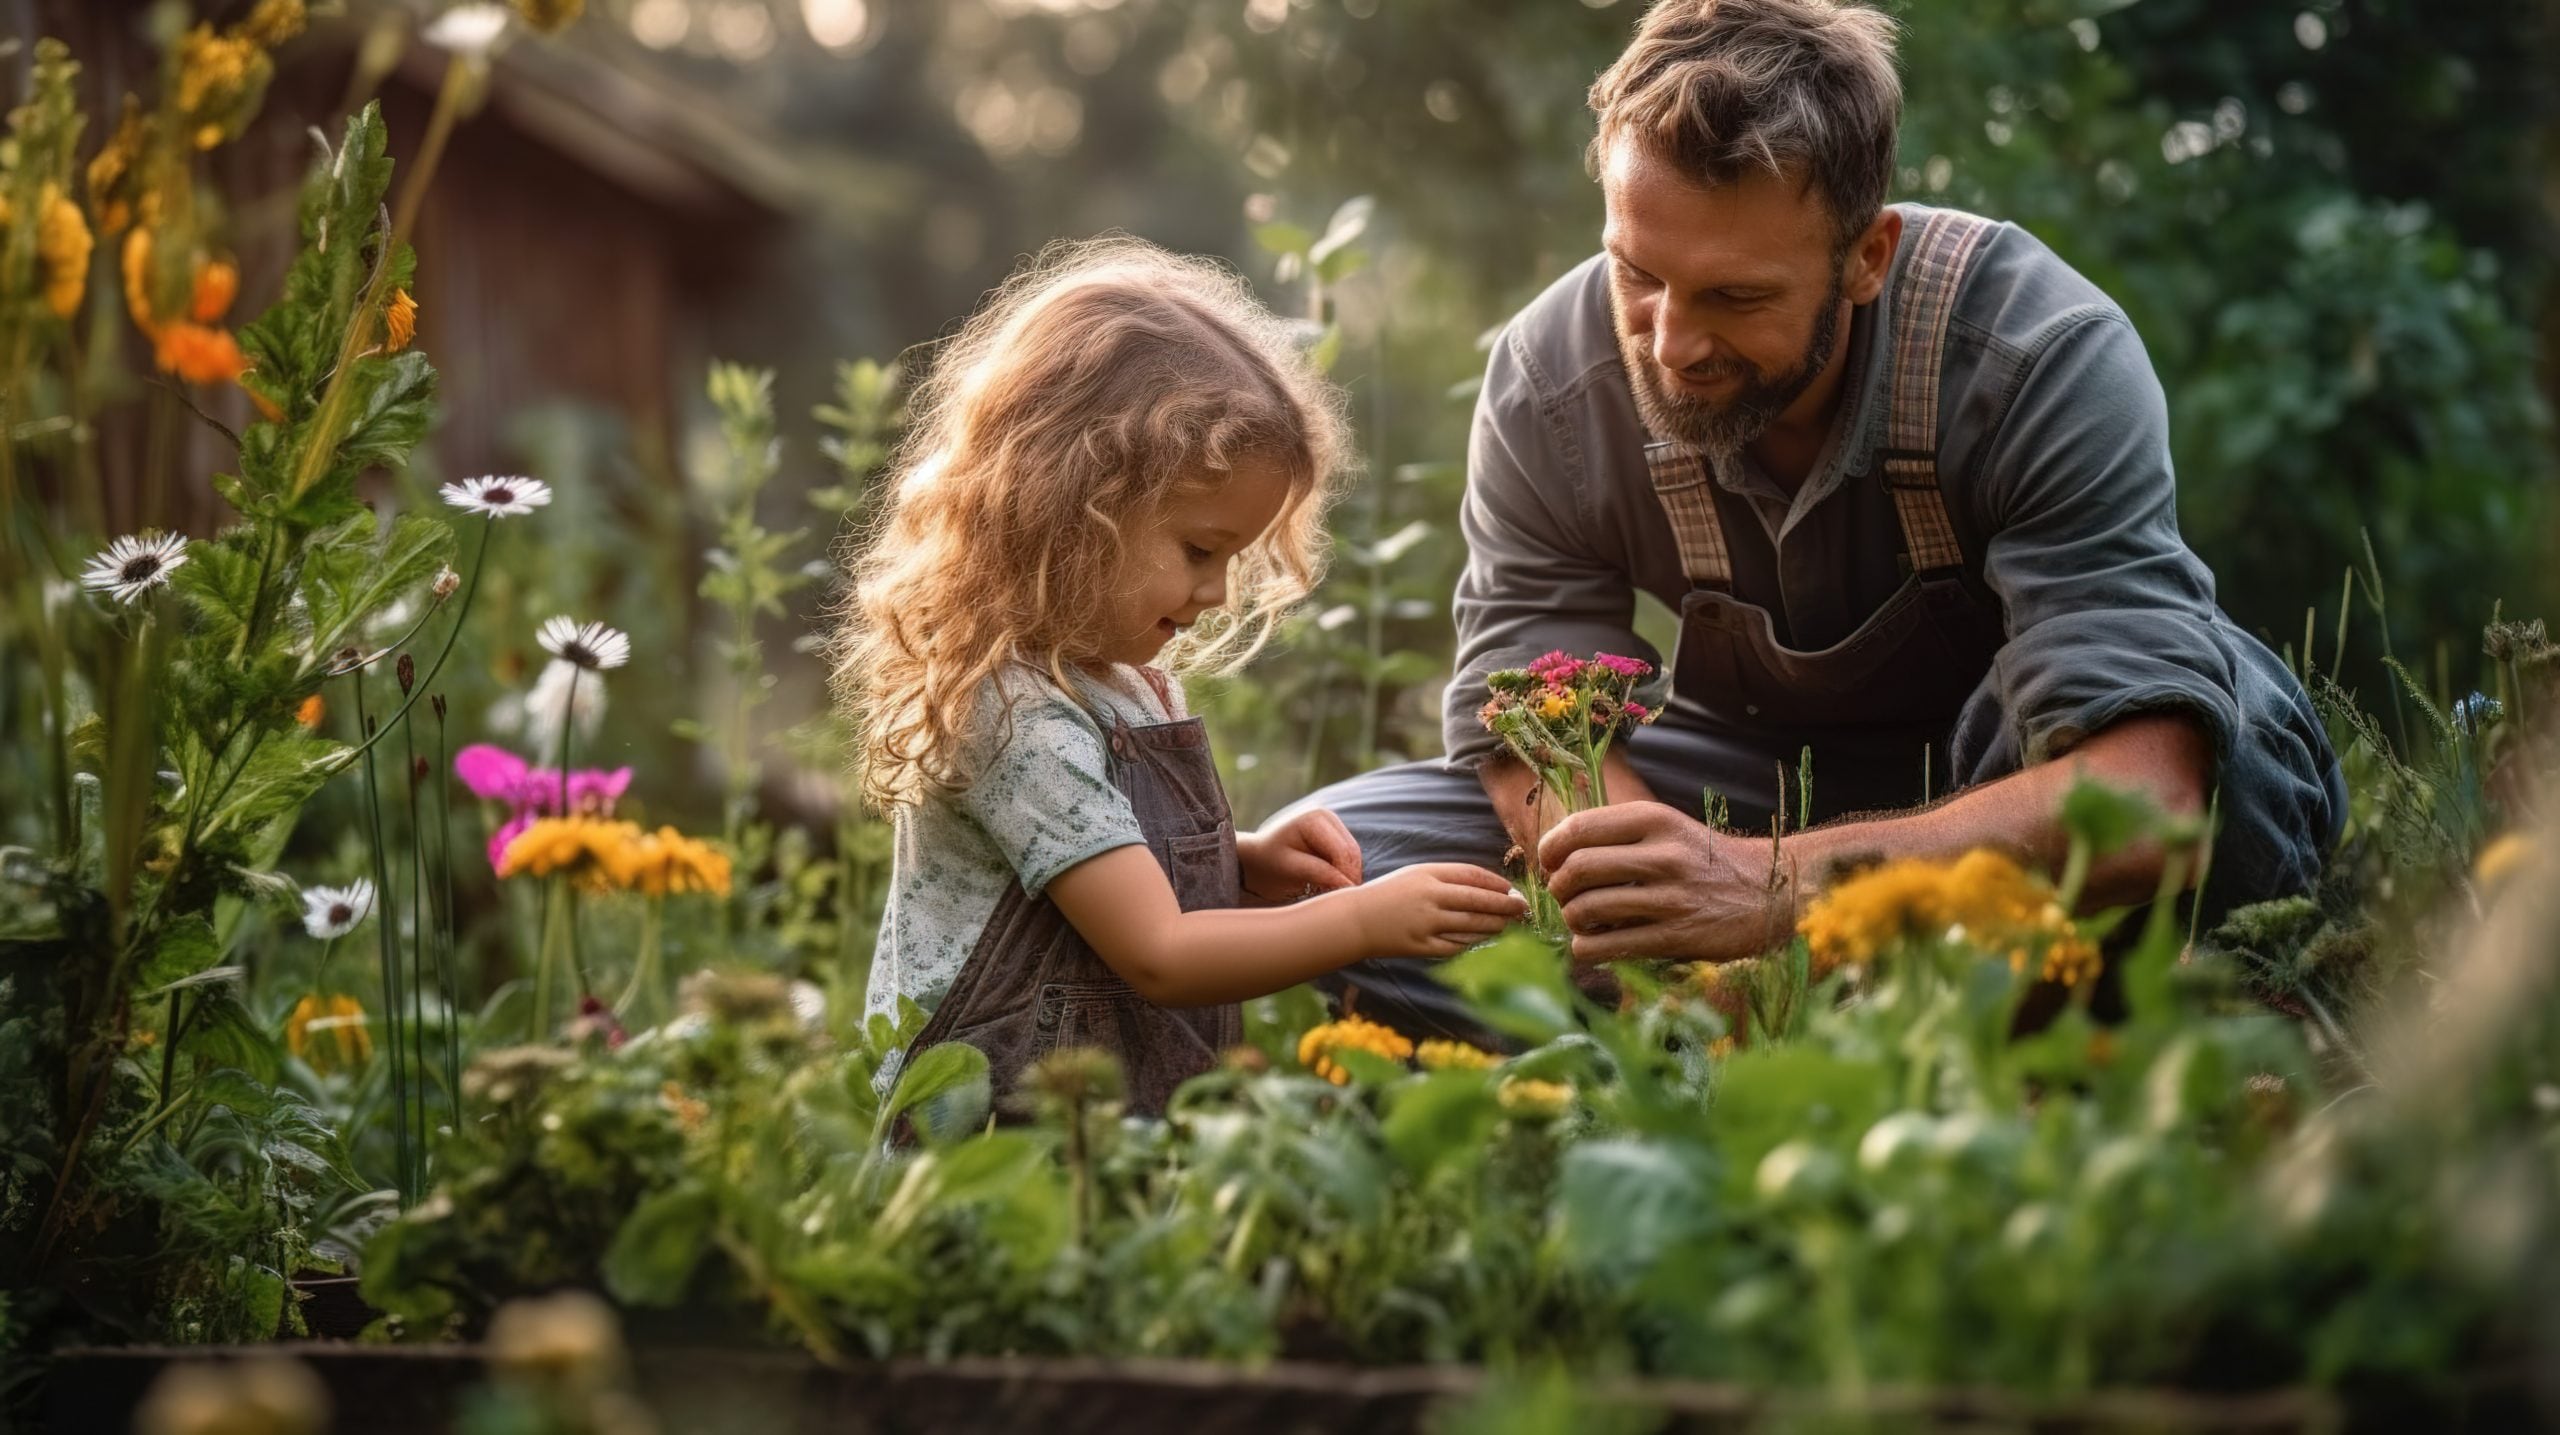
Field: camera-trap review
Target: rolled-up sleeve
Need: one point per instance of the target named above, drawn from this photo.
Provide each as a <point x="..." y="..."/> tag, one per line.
<point x="1536" y="580"/>
<point x="2110" y="614"/>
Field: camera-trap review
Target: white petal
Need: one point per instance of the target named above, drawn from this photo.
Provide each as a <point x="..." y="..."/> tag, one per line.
<point x="468" y="29"/>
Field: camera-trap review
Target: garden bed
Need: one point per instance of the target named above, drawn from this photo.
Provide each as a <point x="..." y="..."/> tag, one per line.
<point x="399" y="1390"/>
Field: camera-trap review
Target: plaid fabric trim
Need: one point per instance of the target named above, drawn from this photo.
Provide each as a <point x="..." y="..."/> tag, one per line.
<point x="1922" y="305"/>
<point x="1681" y="481"/>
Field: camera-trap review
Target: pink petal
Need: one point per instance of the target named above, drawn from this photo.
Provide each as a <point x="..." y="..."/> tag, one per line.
<point x="514" y="829"/>
<point x="489" y="771"/>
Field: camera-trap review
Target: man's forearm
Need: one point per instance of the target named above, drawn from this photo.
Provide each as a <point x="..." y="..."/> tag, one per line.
<point x="2167" y="758"/>
<point x="1528" y="810"/>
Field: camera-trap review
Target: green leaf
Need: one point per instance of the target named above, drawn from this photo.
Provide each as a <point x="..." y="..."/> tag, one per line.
<point x="945" y="1091"/>
<point x="1281" y="237"/>
<point x="1446" y="1118"/>
<point x="282" y="775"/>
<point x="1516" y="985"/>
<point x="2107" y="818"/>
<point x="187" y="947"/>
<point x="391" y="417"/>
<point x="219" y="585"/>
<point x="1623" y="1206"/>
<point x="349" y="575"/>
<point x="988" y="1165"/>
<point x="653" y="1255"/>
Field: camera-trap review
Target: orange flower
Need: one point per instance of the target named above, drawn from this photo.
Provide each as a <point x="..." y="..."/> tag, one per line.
<point x="313" y="709"/>
<point x="198" y="354"/>
<point x="215" y="284"/>
<point x="399" y="321"/>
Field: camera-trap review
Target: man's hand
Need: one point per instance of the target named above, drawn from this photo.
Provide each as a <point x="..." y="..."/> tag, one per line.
<point x="1529" y="811"/>
<point x="1310" y="853"/>
<point x="1639" y="880"/>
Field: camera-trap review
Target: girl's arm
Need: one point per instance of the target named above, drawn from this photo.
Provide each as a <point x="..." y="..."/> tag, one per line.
<point x="1122" y="905"/>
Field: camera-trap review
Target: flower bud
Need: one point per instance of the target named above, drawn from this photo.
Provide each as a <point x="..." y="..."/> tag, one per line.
<point x="407" y="669"/>
<point x="446" y="582"/>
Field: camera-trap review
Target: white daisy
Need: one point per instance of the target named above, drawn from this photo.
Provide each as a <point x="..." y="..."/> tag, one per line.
<point x="467" y="29"/>
<point x="134" y="565"/>
<point x="331" y="912"/>
<point x="497" y="495"/>
<point x="538" y="713"/>
<point x="591" y="646"/>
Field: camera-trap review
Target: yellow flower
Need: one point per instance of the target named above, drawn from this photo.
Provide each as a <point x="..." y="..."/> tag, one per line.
<point x="1439" y="1055"/>
<point x="221" y="80"/>
<point x="2501" y="857"/>
<point x="399" y="321"/>
<point x="1997" y="904"/>
<point x="1522" y="1096"/>
<point x="274" y="22"/>
<point x="341" y="1020"/>
<point x="1555" y="703"/>
<point x="62" y="243"/>
<point x="112" y="167"/>
<point x="550" y="17"/>
<point x="137" y="277"/>
<point x="1316" y="1048"/>
<point x="585" y="850"/>
<point x="668" y="861"/>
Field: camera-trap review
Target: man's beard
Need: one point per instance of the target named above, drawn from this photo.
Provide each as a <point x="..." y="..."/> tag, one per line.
<point x="1724" y="427"/>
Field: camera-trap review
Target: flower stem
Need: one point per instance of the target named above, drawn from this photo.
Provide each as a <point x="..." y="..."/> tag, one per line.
<point x="445" y="946"/>
<point x="642" y="1003"/>
<point x="470" y="587"/>
<point x="387" y="946"/>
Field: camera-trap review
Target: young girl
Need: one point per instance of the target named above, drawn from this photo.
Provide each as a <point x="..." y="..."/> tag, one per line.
<point x="1117" y="474"/>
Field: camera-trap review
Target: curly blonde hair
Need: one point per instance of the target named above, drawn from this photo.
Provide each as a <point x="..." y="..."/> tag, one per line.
<point x="1103" y="379"/>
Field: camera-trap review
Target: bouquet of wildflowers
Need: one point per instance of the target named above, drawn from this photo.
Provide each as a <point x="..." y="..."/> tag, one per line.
<point x="1560" y="715"/>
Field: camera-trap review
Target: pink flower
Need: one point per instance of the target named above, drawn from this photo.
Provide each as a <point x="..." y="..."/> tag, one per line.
<point x="505" y="836"/>
<point x="1639" y="712"/>
<point x="491" y="772"/>
<point x="1623" y="667"/>
<point x="594" y="790"/>
<point x="500" y="776"/>
<point x="1558" y="668"/>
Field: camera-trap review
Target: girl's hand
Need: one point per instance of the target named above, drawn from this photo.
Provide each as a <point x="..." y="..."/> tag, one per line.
<point x="1435" y="909"/>
<point x="1310" y="853"/>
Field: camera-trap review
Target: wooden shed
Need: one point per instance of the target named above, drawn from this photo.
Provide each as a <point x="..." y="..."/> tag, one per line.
<point x="585" y="230"/>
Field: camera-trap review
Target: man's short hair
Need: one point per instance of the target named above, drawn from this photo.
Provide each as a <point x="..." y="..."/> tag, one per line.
<point x="1721" y="88"/>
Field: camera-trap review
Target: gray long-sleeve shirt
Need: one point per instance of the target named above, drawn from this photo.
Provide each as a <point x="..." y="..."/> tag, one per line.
<point x="2053" y="451"/>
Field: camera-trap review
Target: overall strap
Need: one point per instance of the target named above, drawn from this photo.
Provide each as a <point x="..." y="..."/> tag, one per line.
<point x="1682" y="482"/>
<point x="1923" y="301"/>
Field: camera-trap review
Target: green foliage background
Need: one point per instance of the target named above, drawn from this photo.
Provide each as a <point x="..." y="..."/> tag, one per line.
<point x="2322" y="217"/>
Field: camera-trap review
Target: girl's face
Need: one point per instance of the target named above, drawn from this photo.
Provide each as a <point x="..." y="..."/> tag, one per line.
<point x="1176" y="566"/>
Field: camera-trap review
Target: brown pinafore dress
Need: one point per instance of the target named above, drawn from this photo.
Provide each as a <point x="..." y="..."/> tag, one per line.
<point x="1032" y="985"/>
<point x="1872" y="706"/>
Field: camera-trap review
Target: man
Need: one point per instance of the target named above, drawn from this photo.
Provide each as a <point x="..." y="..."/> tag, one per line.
<point x="1904" y="475"/>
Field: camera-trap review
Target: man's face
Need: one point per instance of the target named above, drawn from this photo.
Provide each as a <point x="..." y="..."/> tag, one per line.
<point x="1727" y="299"/>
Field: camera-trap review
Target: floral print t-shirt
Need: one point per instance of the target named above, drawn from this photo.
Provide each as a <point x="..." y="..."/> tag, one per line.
<point x="1039" y="802"/>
